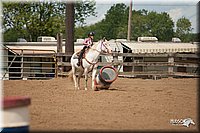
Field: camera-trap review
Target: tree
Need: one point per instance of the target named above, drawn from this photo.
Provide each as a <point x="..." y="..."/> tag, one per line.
<point x="115" y="20"/>
<point x="183" y="29"/>
<point x="139" y="24"/>
<point x="83" y="10"/>
<point x="11" y="35"/>
<point x="111" y="27"/>
<point x="144" y="23"/>
<point x="162" y="26"/>
<point x="33" y="19"/>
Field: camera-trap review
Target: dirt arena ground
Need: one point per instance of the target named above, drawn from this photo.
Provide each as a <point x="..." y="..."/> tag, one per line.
<point x="129" y="104"/>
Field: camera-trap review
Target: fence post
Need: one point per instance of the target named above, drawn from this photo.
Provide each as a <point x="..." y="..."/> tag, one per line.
<point x="59" y="51"/>
<point x="22" y="64"/>
<point x="115" y="59"/>
<point x="133" y="67"/>
<point x="56" y="66"/>
<point x="59" y="43"/>
<point x="171" y="64"/>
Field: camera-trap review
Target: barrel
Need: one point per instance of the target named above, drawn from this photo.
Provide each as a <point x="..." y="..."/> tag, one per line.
<point x="106" y="76"/>
<point x="16" y="114"/>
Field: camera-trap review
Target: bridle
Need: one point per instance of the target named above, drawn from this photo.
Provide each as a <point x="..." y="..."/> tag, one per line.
<point x="107" y="50"/>
<point x="101" y="50"/>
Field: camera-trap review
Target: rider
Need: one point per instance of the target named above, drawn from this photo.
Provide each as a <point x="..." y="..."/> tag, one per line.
<point x="88" y="42"/>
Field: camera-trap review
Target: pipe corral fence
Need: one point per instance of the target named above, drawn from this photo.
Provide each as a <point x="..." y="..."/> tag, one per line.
<point x="47" y="64"/>
<point x="28" y="64"/>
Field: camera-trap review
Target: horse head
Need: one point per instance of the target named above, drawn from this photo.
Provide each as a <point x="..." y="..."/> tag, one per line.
<point x="105" y="47"/>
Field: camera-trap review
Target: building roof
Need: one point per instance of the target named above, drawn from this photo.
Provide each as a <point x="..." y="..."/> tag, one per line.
<point x="136" y="47"/>
<point x="161" y="47"/>
<point x="37" y="47"/>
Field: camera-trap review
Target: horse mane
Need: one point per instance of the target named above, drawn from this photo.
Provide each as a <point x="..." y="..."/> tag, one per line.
<point x="95" y="44"/>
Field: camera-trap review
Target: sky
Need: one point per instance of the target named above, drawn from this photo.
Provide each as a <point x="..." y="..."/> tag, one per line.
<point x="175" y="8"/>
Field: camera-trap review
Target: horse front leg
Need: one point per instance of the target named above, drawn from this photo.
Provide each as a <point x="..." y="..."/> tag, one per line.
<point x="86" y="77"/>
<point x="74" y="77"/>
<point x="93" y="78"/>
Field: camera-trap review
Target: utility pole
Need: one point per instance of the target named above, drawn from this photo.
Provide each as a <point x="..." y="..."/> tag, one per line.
<point x="129" y="21"/>
<point x="69" y="24"/>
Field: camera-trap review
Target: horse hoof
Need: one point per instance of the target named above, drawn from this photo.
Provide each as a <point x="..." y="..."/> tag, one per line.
<point x="95" y="89"/>
<point x="77" y="88"/>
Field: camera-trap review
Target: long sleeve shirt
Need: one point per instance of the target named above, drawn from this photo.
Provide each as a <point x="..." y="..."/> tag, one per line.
<point x="87" y="42"/>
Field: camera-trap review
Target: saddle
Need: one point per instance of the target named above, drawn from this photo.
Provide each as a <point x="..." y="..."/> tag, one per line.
<point x="78" y="54"/>
<point x="83" y="56"/>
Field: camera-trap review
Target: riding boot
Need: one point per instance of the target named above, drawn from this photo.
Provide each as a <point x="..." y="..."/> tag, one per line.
<point x="80" y="57"/>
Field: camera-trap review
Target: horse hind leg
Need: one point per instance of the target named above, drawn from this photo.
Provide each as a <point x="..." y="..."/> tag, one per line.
<point x="79" y="77"/>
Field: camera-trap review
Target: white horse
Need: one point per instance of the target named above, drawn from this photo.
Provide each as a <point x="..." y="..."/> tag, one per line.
<point x="89" y="63"/>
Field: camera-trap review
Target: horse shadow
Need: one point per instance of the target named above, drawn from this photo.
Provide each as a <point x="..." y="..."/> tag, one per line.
<point x="112" y="89"/>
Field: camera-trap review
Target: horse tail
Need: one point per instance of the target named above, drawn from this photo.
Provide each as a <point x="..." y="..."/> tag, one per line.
<point x="70" y="76"/>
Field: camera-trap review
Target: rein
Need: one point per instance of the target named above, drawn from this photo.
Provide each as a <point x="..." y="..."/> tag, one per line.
<point x="102" y="44"/>
<point x="91" y="63"/>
